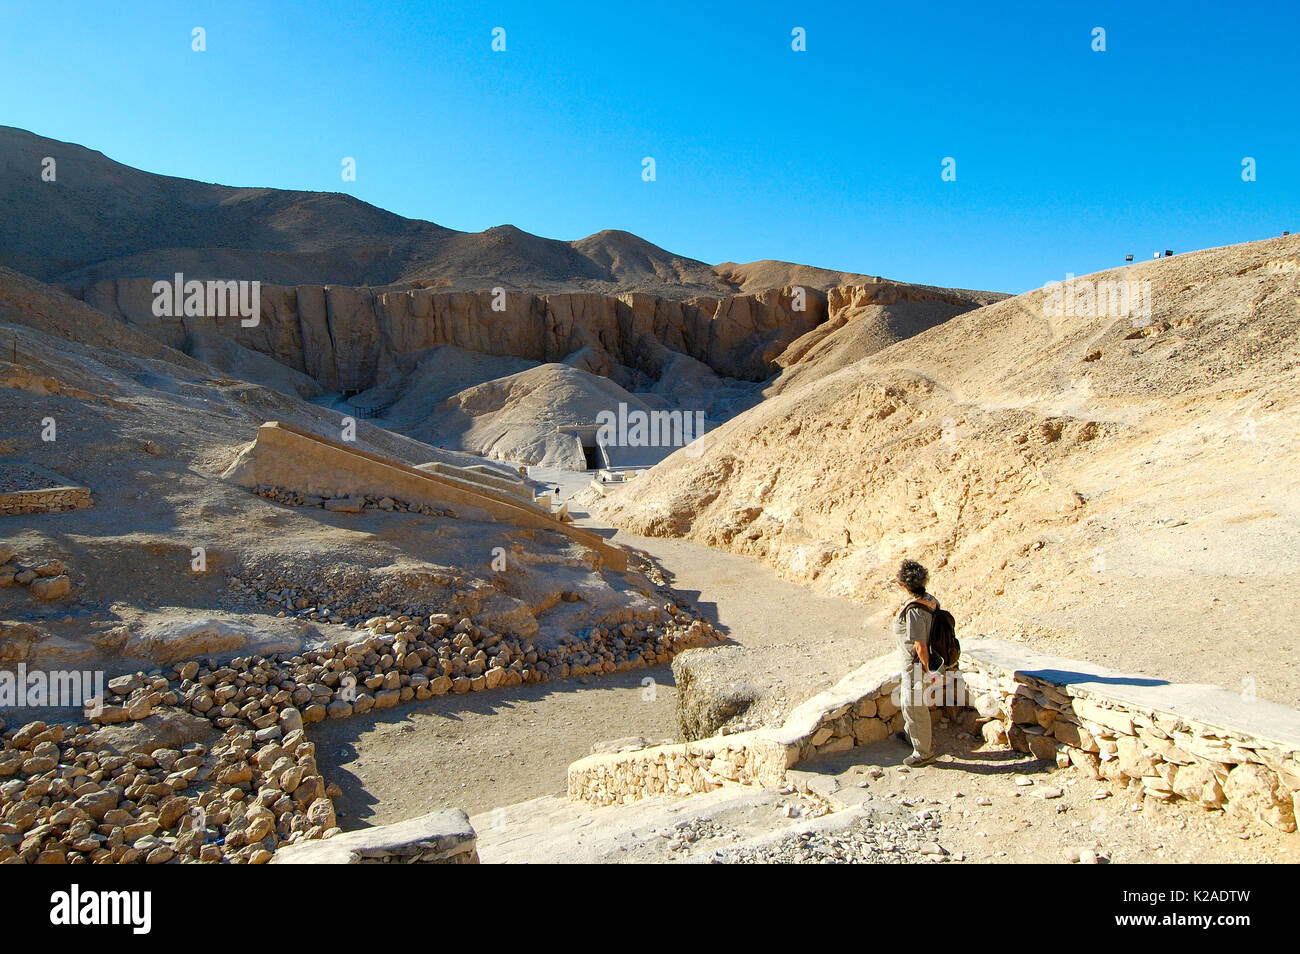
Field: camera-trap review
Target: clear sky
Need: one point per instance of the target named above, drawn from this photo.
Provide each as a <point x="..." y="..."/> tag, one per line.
<point x="1066" y="158"/>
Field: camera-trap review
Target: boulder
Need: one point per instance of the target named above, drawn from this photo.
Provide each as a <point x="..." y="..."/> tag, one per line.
<point x="706" y="701"/>
<point x="1198" y="783"/>
<point x="50" y="587"/>
<point x="1254" y="790"/>
<point x="441" y="837"/>
<point x="163" y="729"/>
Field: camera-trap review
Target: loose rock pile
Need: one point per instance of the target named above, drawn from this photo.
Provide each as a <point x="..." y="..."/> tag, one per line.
<point x="353" y="504"/>
<point x="70" y="797"/>
<point x="871" y="841"/>
<point x="44" y="581"/>
<point x="70" y="800"/>
<point x="350" y="594"/>
<point x="689" y="832"/>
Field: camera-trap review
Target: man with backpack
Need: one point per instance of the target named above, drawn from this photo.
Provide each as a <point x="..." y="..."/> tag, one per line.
<point x="927" y="645"/>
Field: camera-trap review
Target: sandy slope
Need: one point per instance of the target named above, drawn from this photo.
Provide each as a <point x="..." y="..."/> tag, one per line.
<point x="1126" y="494"/>
<point x="515" y="417"/>
<point x="149" y="430"/>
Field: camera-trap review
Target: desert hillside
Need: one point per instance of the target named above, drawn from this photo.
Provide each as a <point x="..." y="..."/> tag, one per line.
<point x="150" y="431"/>
<point x="356" y="303"/>
<point x="102" y="220"/>
<point x="1119" y="489"/>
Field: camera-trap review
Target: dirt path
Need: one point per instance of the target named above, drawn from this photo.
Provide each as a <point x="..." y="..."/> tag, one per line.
<point x="489" y="749"/>
<point x="484" y="750"/>
<point x="785" y="641"/>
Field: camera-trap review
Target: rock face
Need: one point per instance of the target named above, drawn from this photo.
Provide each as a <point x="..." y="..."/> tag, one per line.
<point x="350" y="338"/>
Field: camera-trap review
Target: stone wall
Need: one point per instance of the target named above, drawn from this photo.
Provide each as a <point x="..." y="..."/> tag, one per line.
<point x="856" y="711"/>
<point x="688" y="768"/>
<point x="46" y="500"/>
<point x="1201" y="743"/>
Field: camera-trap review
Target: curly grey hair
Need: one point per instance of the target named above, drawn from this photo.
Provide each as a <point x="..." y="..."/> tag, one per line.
<point x="913" y="576"/>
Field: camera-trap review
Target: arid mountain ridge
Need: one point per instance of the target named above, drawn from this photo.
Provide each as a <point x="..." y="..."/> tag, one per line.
<point x="353" y="296"/>
<point x="101" y="220"/>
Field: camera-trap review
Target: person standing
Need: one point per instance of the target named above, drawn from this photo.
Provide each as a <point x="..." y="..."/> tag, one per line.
<point x="912" y="622"/>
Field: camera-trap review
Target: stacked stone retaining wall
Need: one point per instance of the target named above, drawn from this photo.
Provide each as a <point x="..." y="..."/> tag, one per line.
<point x="1205" y="744"/>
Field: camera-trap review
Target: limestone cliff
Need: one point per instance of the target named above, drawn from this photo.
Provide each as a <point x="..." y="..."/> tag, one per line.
<point x="352" y="337"/>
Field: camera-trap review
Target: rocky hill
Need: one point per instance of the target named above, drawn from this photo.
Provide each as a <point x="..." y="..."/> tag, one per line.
<point x="101" y="220"/>
<point x="1119" y="488"/>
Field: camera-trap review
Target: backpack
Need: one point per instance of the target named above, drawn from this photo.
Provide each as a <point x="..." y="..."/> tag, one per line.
<point x="945" y="650"/>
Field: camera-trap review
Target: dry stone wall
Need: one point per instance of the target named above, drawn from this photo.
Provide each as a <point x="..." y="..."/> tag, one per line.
<point x="1200" y="743"/>
<point x="47" y="500"/>
<point x="1204" y="744"/>
<point x="856" y="711"/>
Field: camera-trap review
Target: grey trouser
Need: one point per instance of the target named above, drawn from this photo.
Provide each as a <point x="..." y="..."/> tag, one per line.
<point x="916" y="715"/>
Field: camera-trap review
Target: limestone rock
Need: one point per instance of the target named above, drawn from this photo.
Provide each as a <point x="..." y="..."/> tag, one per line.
<point x="167" y="728"/>
<point x="1253" y="790"/>
<point x="705" y="703"/>
<point x="1200" y="784"/>
<point x="50" y="588"/>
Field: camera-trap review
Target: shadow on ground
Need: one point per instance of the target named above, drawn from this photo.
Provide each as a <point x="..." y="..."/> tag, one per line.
<point x="483" y="750"/>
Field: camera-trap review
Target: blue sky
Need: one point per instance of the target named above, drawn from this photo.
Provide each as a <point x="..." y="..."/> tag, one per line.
<point x="1066" y="158"/>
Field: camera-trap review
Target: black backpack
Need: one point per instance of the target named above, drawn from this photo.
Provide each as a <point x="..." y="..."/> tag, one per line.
<point x="943" y="641"/>
<point x="945" y="650"/>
